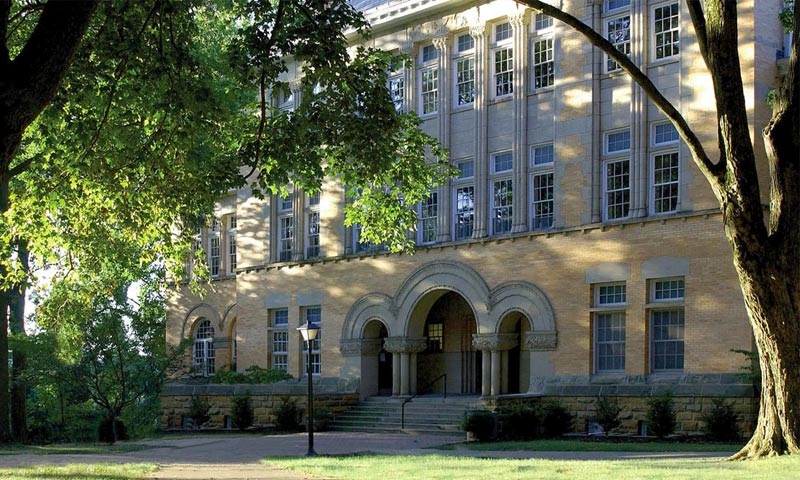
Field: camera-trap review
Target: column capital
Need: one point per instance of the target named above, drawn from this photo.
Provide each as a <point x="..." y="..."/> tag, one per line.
<point x="441" y="43"/>
<point x="519" y="18"/>
<point x="477" y="30"/>
<point x="405" y="344"/>
<point x="360" y="346"/>
<point x="541" y="341"/>
<point x="495" y="341"/>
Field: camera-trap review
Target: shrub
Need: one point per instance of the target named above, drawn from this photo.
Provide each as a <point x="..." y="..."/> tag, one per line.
<point x="556" y="420"/>
<point x="242" y="411"/>
<point x="661" y="415"/>
<point x="286" y="415"/>
<point x="481" y="424"/>
<point x="105" y="433"/>
<point x="518" y="421"/>
<point x="722" y="421"/>
<point x="607" y="412"/>
<point x="322" y="419"/>
<point x="198" y="411"/>
<point x="253" y="374"/>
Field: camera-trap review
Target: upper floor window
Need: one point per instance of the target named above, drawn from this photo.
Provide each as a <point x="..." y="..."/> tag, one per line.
<point x="465" y="43"/>
<point x="232" y="224"/>
<point x="618" y="142"/>
<point x="542" y="187"/>
<point x="285" y="238"/>
<point x="502" y="193"/>
<point x="616" y="176"/>
<point x="543" y="65"/>
<point x="397" y="91"/>
<point x="465" y="70"/>
<point x="503" y="31"/>
<point x="285" y="202"/>
<point x="502" y="162"/>
<point x="214" y="252"/>
<point x="542" y="21"/>
<point x="464" y="211"/>
<point x="618" y="32"/>
<point x="504" y="71"/>
<point x="428" y="216"/>
<point x="466" y="169"/>
<point x="429" y="80"/>
<point x="666" y="31"/>
<point x="617" y="4"/>
<point x="665" y="169"/>
<point x="429" y="53"/>
<point x="611" y="294"/>
<point x="312" y="235"/>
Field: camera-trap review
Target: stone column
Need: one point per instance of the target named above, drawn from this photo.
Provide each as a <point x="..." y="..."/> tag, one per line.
<point x="486" y="369"/>
<point x="639" y="161"/>
<point x="519" y="209"/>
<point x="442" y="44"/>
<point x="492" y="346"/>
<point x="405" y="374"/>
<point x="404" y="350"/>
<point x="596" y="147"/>
<point x="481" y="108"/>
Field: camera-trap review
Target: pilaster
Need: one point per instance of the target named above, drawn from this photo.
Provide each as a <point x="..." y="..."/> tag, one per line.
<point x="519" y="21"/>
<point x="481" y="105"/>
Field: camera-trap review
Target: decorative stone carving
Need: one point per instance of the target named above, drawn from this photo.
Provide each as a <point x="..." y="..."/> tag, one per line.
<point x="405" y="344"/>
<point x="477" y="31"/>
<point x="541" y="341"/>
<point x="495" y="341"/>
<point x="518" y="19"/>
<point x="440" y="43"/>
<point x="427" y="30"/>
<point x="366" y="346"/>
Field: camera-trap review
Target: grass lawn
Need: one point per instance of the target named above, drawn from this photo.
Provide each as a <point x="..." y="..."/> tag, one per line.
<point x="593" y="446"/>
<point x="70" y="448"/>
<point x="434" y="467"/>
<point x="79" y="472"/>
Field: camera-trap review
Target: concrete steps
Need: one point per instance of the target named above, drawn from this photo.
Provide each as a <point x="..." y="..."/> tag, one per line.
<point x="424" y="414"/>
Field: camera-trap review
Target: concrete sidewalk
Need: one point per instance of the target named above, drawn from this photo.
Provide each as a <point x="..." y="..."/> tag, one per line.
<point x="231" y="457"/>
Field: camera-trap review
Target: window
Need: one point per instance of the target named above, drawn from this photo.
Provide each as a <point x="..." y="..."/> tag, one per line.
<point x="364" y="246"/>
<point x="666" y="31"/>
<point x="434" y="333"/>
<point x="502" y="189"/>
<point x="286" y="238"/>
<point x="428" y="212"/>
<point x="429" y="90"/>
<point x="502" y="162"/>
<point x="502" y="32"/>
<point x="667" y="324"/>
<point x="616" y="172"/>
<point x="465" y="70"/>
<point x="313" y="315"/>
<point x="618" y="32"/>
<point x="543" y="66"/>
<point x="397" y="91"/>
<point x="232" y="244"/>
<point x="203" y="352"/>
<point x="466" y="169"/>
<point x="665" y="170"/>
<point x="542" y="21"/>
<point x="429" y="53"/>
<point x="285" y="203"/>
<point x="504" y="71"/>
<point x="312" y="235"/>
<point x="609" y="327"/>
<point x="214" y="248"/>
<point x="464" y="211"/>
<point x="542" y="201"/>
<point x="279" y="339"/>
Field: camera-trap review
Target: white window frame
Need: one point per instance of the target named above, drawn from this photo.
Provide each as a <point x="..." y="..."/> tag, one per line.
<point x="464" y="78"/>
<point x="231" y="238"/>
<point x="610" y="301"/>
<point x="428" y="81"/>
<point x="279" y="337"/>
<point x="203" y="355"/>
<point x="664" y="189"/>
<point x="670" y="306"/>
<point x="610" y="65"/>
<point x="313" y="314"/>
<point x="462" y="183"/>
<point x="501" y="188"/>
<point x="214" y="249"/>
<point x="542" y="170"/>
<point x="286" y="228"/>
<point x="312" y="234"/>
<point x="609" y="342"/>
<point x="673" y="45"/>
<point x="428" y="211"/>
<point x="613" y="157"/>
<point x="502" y="80"/>
<point x="543" y="60"/>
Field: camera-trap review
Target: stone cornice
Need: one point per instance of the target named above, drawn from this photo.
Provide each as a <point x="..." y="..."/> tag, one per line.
<point x="495" y="341"/>
<point x="541" y="341"/>
<point x="367" y="346"/>
<point x="405" y="344"/>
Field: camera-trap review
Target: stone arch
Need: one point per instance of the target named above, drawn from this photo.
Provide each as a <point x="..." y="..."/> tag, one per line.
<point x="201" y="310"/>
<point x="525" y="298"/>
<point x="371" y="306"/>
<point x="230" y="315"/>
<point x="442" y="275"/>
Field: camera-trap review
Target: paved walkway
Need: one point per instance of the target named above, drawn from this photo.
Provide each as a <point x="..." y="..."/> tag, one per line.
<point x="239" y="456"/>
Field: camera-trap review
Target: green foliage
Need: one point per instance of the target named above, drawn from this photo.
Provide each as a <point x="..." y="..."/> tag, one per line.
<point x="661" y="415"/>
<point x="252" y="375"/>
<point x="481" y="424"/>
<point x="751" y="372"/>
<point x="556" y="420"/>
<point x="198" y="411"/>
<point x="106" y="434"/>
<point x="242" y="411"/>
<point x="786" y="15"/>
<point x="518" y="421"/>
<point x="286" y="415"/>
<point x="721" y="422"/>
<point x="323" y="418"/>
<point x="607" y="412"/>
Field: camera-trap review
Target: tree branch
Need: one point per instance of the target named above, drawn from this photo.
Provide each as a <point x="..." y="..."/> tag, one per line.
<point x="711" y="170"/>
<point x="5" y="11"/>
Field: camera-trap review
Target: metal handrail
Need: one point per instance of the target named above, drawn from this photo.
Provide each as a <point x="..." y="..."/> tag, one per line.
<point x="423" y="389"/>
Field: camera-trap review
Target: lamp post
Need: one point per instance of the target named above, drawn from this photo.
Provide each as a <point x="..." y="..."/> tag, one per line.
<point x="309" y="331"/>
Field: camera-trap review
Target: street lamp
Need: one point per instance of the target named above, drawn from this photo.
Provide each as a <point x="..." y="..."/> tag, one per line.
<point x="309" y="330"/>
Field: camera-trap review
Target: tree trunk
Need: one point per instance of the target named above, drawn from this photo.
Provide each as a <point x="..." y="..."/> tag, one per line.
<point x="5" y="297"/>
<point x="19" y="417"/>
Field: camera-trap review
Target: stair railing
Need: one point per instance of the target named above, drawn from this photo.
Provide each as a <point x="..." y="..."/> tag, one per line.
<point x="422" y="390"/>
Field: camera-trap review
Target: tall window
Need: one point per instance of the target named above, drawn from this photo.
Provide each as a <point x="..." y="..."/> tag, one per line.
<point x="542" y="207"/>
<point x="214" y="248"/>
<point x="542" y="51"/>
<point x="609" y="327"/>
<point x="665" y="169"/>
<point x="313" y="315"/>
<point x="279" y="339"/>
<point x="232" y="244"/>
<point x="285" y="229"/>
<point x="465" y="70"/>
<point x="312" y="226"/>
<point x="666" y="31"/>
<point x="203" y="352"/>
<point x="464" y="201"/>
<point x="503" y="60"/>
<point x="429" y="80"/>
<point x="397" y="85"/>
<point x="502" y="193"/>
<point x="667" y="324"/>
<point x="618" y="32"/>
<point x="434" y="333"/>
<point x="428" y="213"/>
<point x="616" y="182"/>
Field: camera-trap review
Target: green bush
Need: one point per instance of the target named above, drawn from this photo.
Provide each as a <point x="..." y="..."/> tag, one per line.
<point x="105" y="434"/>
<point x="556" y="420"/>
<point x="242" y="411"/>
<point x="721" y="422"/>
<point x="253" y="374"/>
<point x="606" y="414"/>
<point x="323" y="417"/>
<point x="518" y="421"/>
<point x="198" y="411"/>
<point x="481" y="424"/>
<point x="286" y="415"/>
<point x="661" y="415"/>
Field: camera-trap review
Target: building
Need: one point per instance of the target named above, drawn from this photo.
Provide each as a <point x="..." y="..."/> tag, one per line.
<point x="579" y="252"/>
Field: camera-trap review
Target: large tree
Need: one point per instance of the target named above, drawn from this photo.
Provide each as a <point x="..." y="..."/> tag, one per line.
<point x="765" y="248"/>
<point x="120" y="121"/>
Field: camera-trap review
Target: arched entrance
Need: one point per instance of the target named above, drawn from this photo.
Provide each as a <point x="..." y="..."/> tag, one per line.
<point x="514" y="361"/>
<point x="447" y="322"/>
<point x="376" y="362"/>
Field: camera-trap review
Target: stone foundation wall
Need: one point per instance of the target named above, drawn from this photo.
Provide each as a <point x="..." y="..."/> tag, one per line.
<point x="689" y="411"/>
<point x="177" y="399"/>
